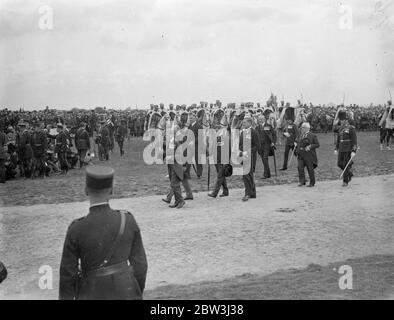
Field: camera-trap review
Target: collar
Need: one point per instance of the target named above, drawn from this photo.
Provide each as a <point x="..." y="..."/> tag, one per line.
<point x="99" y="204"/>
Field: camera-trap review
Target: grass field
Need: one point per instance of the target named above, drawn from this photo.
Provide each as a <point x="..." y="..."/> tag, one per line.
<point x="134" y="178"/>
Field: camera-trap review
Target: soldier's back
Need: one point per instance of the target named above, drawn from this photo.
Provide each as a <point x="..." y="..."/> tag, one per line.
<point x="93" y="237"/>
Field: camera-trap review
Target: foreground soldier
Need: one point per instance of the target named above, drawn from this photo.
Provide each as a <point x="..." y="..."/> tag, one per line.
<point x="107" y="243"/>
<point x="3" y="272"/>
<point x="346" y="146"/>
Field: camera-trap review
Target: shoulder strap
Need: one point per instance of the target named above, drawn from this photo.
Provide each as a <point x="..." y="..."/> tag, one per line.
<point x="119" y="235"/>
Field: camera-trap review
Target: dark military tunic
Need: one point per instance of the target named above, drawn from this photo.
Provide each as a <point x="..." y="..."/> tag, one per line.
<point x="346" y="144"/>
<point x="89" y="239"/>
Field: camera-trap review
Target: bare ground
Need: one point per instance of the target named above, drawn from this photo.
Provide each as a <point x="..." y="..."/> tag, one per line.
<point x="213" y="243"/>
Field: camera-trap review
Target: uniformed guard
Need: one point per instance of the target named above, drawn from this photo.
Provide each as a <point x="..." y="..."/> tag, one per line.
<point x="82" y="143"/>
<point x="25" y="152"/>
<point x="291" y="133"/>
<point x="61" y="148"/>
<point x="103" y="255"/>
<point x="39" y="146"/>
<point x="121" y="132"/>
<point x="267" y="137"/>
<point x="346" y="146"/>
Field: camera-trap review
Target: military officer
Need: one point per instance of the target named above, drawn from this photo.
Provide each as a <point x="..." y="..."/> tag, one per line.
<point x="291" y="134"/>
<point x="103" y="254"/>
<point x="61" y="148"/>
<point x="249" y="145"/>
<point x="121" y="133"/>
<point x="82" y="143"/>
<point x="346" y="146"/>
<point x="25" y="151"/>
<point x="39" y="146"/>
<point x="267" y="138"/>
<point x="306" y="154"/>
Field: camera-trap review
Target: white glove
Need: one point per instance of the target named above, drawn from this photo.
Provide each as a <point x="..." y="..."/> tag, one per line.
<point x="286" y="134"/>
<point x="335" y="152"/>
<point x="352" y="154"/>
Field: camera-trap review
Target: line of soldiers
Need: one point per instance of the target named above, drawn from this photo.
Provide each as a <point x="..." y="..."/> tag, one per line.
<point x="262" y="126"/>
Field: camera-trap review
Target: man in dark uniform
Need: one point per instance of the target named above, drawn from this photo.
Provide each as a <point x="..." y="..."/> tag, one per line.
<point x="62" y="145"/>
<point x="39" y="146"/>
<point x="306" y="154"/>
<point x="346" y="146"/>
<point x="25" y="151"/>
<point x="267" y="137"/>
<point x="291" y="134"/>
<point x="3" y="139"/>
<point x="195" y="127"/>
<point x="121" y="133"/>
<point x="249" y="145"/>
<point x="105" y="248"/>
<point x="105" y="140"/>
<point x="82" y="143"/>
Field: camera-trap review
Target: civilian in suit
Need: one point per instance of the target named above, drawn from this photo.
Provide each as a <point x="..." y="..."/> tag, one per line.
<point x="306" y="154"/>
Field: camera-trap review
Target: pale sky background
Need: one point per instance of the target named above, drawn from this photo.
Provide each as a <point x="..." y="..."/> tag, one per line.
<point x="126" y="53"/>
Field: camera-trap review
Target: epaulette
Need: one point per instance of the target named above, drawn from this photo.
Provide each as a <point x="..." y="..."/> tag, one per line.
<point x="76" y="220"/>
<point x="124" y="211"/>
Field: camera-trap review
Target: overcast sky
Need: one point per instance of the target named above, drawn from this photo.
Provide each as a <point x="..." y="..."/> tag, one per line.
<point x="127" y="53"/>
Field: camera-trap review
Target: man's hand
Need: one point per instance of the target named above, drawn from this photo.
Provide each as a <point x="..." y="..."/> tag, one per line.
<point x="353" y="154"/>
<point x="335" y="152"/>
<point x="286" y="134"/>
<point x="308" y="148"/>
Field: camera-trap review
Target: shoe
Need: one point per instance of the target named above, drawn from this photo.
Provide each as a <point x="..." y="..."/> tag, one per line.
<point x="283" y="169"/>
<point x="344" y="184"/>
<point x="310" y="185"/>
<point x="180" y="204"/>
<point x="174" y="205"/>
<point x="211" y="195"/>
<point x="166" y="200"/>
<point x="224" y="194"/>
<point x="388" y="148"/>
<point x="245" y="198"/>
<point x="301" y="184"/>
<point x="266" y="177"/>
<point x="381" y="147"/>
<point x="188" y="198"/>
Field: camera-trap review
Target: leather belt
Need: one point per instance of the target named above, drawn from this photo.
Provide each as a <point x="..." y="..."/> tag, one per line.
<point x="108" y="270"/>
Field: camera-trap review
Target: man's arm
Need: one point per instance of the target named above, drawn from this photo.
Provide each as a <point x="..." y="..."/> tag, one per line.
<point x="315" y="143"/>
<point x="138" y="260"/>
<point x="68" y="268"/>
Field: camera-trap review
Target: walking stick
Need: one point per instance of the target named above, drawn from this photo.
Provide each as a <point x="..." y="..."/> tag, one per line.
<point x="273" y="151"/>
<point x="291" y="157"/>
<point x="351" y="158"/>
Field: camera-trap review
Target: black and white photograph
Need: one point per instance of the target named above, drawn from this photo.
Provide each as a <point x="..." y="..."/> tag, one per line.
<point x="207" y="150"/>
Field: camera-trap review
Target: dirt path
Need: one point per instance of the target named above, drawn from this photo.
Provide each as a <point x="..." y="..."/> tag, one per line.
<point x="215" y="239"/>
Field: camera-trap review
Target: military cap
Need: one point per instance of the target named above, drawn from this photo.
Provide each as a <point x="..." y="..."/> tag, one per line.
<point x="267" y="112"/>
<point x="60" y="125"/>
<point x="22" y="124"/>
<point x="98" y="177"/>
